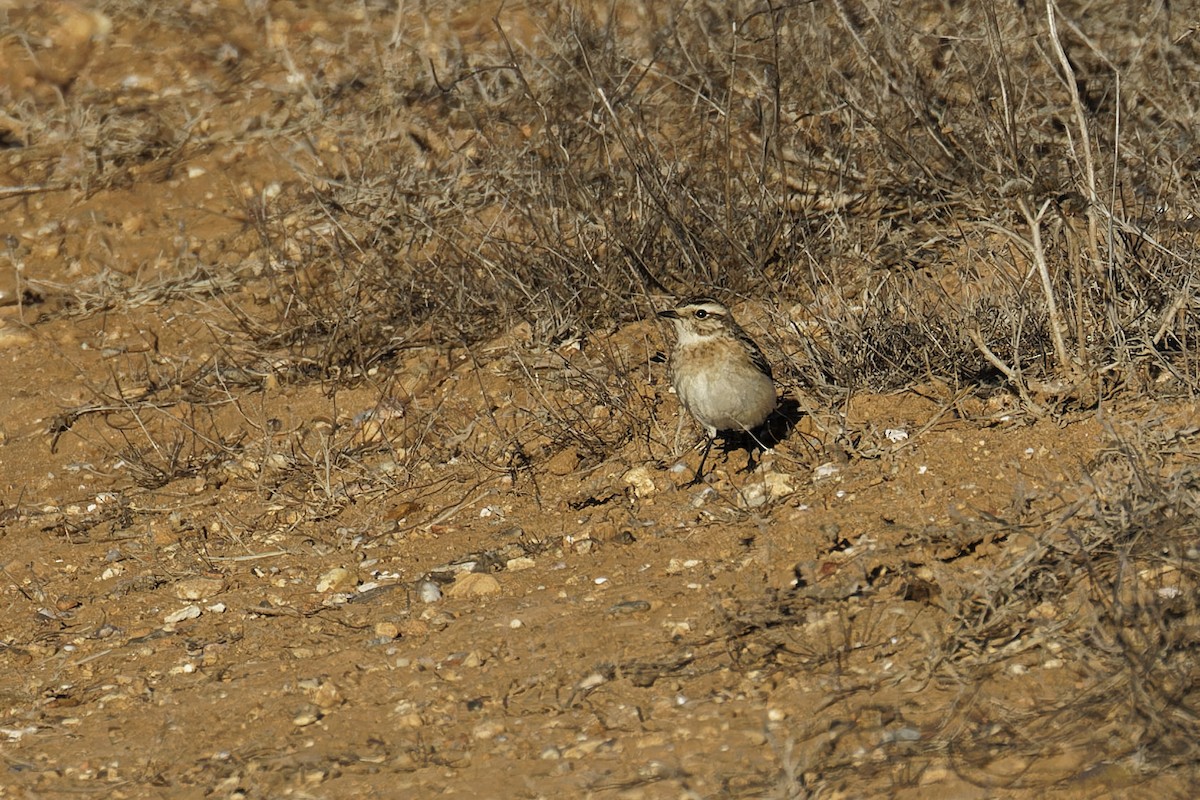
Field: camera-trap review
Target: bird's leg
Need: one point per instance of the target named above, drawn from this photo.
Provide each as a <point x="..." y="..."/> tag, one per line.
<point x="750" y="465"/>
<point x="756" y="444"/>
<point x="708" y="443"/>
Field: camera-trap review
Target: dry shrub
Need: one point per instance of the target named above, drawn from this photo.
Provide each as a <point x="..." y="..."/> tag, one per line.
<point x="965" y="195"/>
<point x="919" y="179"/>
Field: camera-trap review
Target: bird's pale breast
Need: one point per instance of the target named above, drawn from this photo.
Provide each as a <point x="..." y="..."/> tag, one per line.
<point x="719" y="385"/>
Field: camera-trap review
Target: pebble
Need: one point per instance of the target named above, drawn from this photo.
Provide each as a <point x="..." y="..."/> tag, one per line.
<point x="773" y="486"/>
<point x="563" y="462"/>
<point x="474" y="584"/>
<point x="387" y="630"/>
<point x="677" y="629"/>
<point x="198" y="588"/>
<point x="429" y="592"/>
<point x="412" y="628"/>
<point x="519" y="563"/>
<point x="328" y="696"/>
<point x="71" y="43"/>
<point x="187" y="612"/>
<point x="411" y="720"/>
<point x="630" y="607"/>
<point x="434" y="620"/>
<point x="10" y="290"/>
<point x="336" y="580"/>
<point x="678" y="565"/>
<point x="67" y="602"/>
<point x="11" y="336"/>
<point x="469" y="660"/>
<point x="488" y="729"/>
<point x="639" y="478"/>
<point x="903" y="734"/>
<point x="755" y="738"/>
<point x="585" y="748"/>
<point x="592" y="681"/>
<point x="778" y="484"/>
<point x="306" y="716"/>
<point x="826" y="470"/>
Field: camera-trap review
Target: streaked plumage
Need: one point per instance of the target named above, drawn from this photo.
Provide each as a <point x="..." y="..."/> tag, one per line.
<point x="720" y="375"/>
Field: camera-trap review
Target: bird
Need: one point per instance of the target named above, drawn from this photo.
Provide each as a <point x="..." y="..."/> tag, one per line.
<point x="719" y="373"/>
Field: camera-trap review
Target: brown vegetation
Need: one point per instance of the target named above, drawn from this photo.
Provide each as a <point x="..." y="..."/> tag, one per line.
<point x="336" y="455"/>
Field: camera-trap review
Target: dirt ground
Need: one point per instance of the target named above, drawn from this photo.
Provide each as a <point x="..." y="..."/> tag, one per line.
<point x="223" y="584"/>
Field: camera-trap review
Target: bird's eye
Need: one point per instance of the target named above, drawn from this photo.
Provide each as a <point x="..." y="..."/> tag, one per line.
<point x="701" y="313"/>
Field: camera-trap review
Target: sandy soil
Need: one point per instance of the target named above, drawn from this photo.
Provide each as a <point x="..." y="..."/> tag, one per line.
<point x="276" y="587"/>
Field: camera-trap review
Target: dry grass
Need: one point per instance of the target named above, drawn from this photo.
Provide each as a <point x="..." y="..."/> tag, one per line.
<point x="944" y="204"/>
<point x="945" y="194"/>
<point x="978" y="197"/>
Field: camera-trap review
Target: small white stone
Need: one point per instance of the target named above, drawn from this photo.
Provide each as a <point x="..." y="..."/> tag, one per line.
<point x="896" y="434"/>
<point x="592" y="681"/>
<point x="488" y="729"/>
<point x="306" y="717"/>
<point x="639" y="478"/>
<point x="677" y="629"/>
<point x="187" y="612"/>
<point x="336" y="579"/>
<point x="429" y="592"/>
<point x="826" y="470"/>
<point x="15" y="734"/>
<point x="754" y="495"/>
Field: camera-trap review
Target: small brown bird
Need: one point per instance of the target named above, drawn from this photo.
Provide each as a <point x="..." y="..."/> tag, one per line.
<point x="720" y="375"/>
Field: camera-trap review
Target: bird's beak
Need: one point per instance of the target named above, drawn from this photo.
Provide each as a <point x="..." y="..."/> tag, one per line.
<point x="670" y="313"/>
